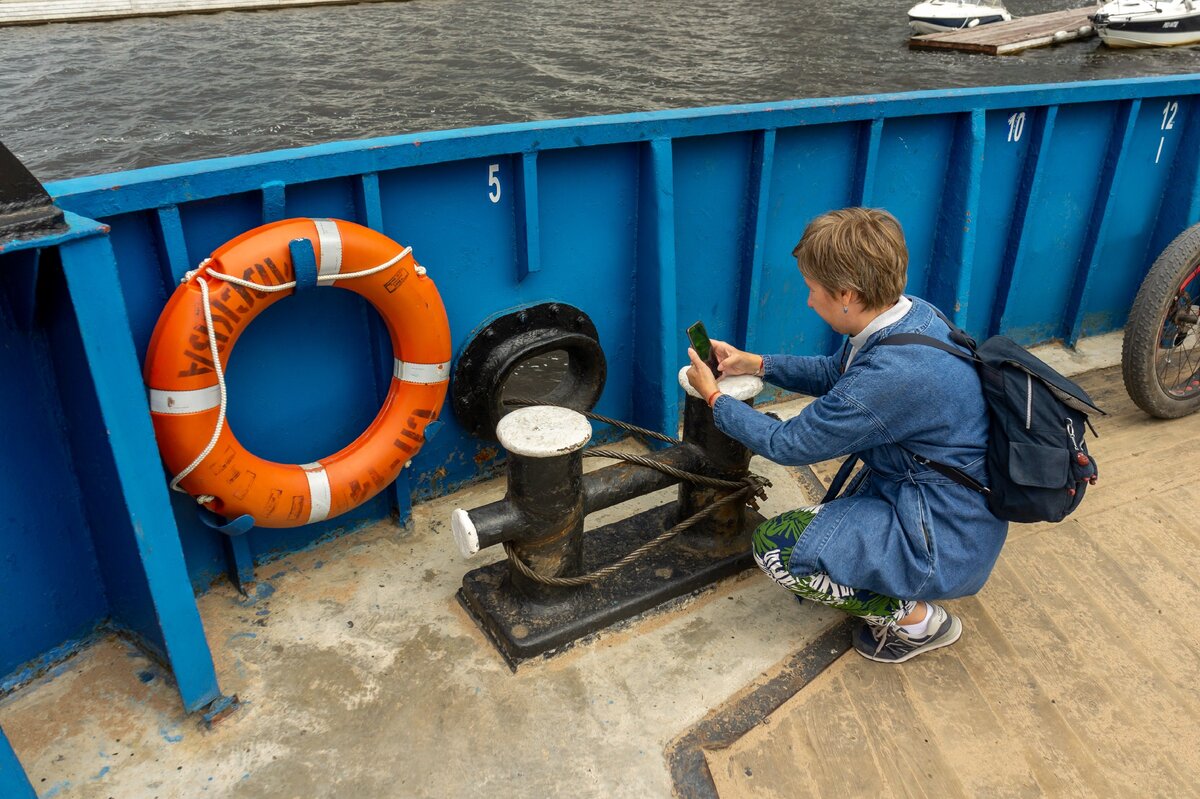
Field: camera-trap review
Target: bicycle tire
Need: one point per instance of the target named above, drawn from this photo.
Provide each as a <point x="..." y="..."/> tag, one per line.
<point x="1156" y="307"/>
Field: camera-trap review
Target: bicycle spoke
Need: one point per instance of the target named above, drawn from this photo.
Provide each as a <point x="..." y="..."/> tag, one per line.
<point x="1178" y="356"/>
<point x="1182" y="385"/>
<point x="1184" y="376"/>
<point x="1184" y="368"/>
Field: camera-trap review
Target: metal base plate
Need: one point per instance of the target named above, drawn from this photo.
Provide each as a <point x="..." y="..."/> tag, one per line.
<point x="523" y="627"/>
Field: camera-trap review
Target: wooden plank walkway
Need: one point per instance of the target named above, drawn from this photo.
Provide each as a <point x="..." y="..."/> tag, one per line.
<point x="1078" y="673"/>
<point x="1003" y="38"/>
<point x="37" y="12"/>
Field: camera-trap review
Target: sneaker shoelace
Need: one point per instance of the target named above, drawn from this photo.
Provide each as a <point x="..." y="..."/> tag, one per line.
<point x="880" y="633"/>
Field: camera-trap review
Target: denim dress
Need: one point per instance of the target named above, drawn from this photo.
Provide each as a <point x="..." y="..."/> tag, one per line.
<point x="900" y="529"/>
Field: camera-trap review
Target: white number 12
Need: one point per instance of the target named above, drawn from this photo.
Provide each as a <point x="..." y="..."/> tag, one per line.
<point x="1169" y="111"/>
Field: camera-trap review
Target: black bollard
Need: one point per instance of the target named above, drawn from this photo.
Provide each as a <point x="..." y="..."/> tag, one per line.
<point x="542" y="512"/>
<point x="724" y="458"/>
<point x="547" y="492"/>
<point x="541" y="517"/>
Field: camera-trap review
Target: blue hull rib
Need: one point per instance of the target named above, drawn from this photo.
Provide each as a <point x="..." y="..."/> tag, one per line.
<point x="13" y="782"/>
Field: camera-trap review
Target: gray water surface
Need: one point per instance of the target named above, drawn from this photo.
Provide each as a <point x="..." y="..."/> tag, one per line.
<point x="88" y="98"/>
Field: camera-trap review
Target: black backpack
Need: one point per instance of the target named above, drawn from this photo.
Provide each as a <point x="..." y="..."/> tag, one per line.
<point x="1037" y="462"/>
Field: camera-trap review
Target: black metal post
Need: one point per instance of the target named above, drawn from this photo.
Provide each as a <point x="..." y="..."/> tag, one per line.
<point x="504" y="520"/>
<point x="728" y="460"/>
<point x="542" y="516"/>
<point x="548" y="495"/>
<point x="615" y="484"/>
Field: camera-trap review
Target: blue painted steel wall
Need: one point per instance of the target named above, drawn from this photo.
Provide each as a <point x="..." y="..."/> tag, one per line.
<point x="1032" y="211"/>
<point x="117" y="562"/>
<point x="50" y="587"/>
<point x="88" y="543"/>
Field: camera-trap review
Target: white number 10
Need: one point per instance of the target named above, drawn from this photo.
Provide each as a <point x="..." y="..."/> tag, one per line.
<point x="1016" y="126"/>
<point x="494" y="182"/>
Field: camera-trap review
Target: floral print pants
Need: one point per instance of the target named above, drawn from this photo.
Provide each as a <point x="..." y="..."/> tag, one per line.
<point x="773" y="542"/>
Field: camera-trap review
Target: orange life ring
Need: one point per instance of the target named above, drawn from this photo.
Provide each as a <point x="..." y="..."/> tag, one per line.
<point x="241" y="279"/>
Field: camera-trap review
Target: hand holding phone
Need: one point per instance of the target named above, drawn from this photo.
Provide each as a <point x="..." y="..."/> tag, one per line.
<point x="698" y="337"/>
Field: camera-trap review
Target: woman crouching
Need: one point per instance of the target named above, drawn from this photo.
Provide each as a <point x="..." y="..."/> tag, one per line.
<point x="901" y="534"/>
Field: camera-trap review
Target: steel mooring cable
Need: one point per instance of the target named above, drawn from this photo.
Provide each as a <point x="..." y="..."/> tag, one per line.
<point x="604" y="571"/>
<point x="650" y="463"/>
<point x="751" y="485"/>
<point x="595" y="417"/>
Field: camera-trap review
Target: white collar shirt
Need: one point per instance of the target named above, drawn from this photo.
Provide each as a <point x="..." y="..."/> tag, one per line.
<point x="888" y="317"/>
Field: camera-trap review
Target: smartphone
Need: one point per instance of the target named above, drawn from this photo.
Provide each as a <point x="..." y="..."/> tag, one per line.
<point x="698" y="336"/>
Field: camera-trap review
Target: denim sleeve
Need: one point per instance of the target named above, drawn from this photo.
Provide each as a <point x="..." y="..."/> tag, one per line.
<point x="833" y="425"/>
<point x="812" y="375"/>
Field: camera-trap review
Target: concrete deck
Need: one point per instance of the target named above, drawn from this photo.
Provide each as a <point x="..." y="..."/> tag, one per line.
<point x="363" y="677"/>
<point x="38" y="12"/>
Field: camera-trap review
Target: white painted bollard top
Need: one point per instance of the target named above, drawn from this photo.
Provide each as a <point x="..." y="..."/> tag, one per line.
<point x="543" y="431"/>
<point x="740" y="387"/>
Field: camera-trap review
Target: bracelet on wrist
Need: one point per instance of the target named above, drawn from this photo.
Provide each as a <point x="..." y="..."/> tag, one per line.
<point x="713" y="397"/>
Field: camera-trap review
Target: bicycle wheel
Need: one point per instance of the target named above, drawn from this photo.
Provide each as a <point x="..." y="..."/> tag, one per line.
<point x="1160" y="354"/>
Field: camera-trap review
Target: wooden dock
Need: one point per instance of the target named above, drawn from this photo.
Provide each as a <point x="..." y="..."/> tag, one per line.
<point x="1004" y="38"/>
<point x="38" y="12"/>
<point x="1077" y="673"/>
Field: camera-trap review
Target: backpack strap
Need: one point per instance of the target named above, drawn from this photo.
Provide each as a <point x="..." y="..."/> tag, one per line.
<point x="957" y="334"/>
<point x="929" y="341"/>
<point x="957" y="475"/>
<point x="960" y="477"/>
<point x="839" y="479"/>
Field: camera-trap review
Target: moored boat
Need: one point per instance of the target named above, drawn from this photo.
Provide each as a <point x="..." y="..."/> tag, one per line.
<point x="938" y="16"/>
<point x="1148" y="23"/>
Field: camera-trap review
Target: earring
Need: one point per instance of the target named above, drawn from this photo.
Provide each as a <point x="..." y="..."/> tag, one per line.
<point x="845" y="309"/>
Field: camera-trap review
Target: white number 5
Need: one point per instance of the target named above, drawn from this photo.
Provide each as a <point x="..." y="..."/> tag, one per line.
<point x="494" y="182"/>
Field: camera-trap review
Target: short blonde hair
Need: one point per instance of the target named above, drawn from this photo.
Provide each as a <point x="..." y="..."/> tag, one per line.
<point x="856" y="249"/>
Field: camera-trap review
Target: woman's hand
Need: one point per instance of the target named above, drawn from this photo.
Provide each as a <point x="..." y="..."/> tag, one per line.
<point x="700" y="376"/>
<point x="732" y="361"/>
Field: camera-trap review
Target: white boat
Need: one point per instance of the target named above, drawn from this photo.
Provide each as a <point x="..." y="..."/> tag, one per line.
<point x="1147" y="23"/>
<point x="938" y="16"/>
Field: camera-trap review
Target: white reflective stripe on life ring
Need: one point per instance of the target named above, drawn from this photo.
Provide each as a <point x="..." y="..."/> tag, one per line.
<point x="194" y="401"/>
<point x="421" y="372"/>
<point x="330" y="241"/>
<point x="319" y="492"/>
